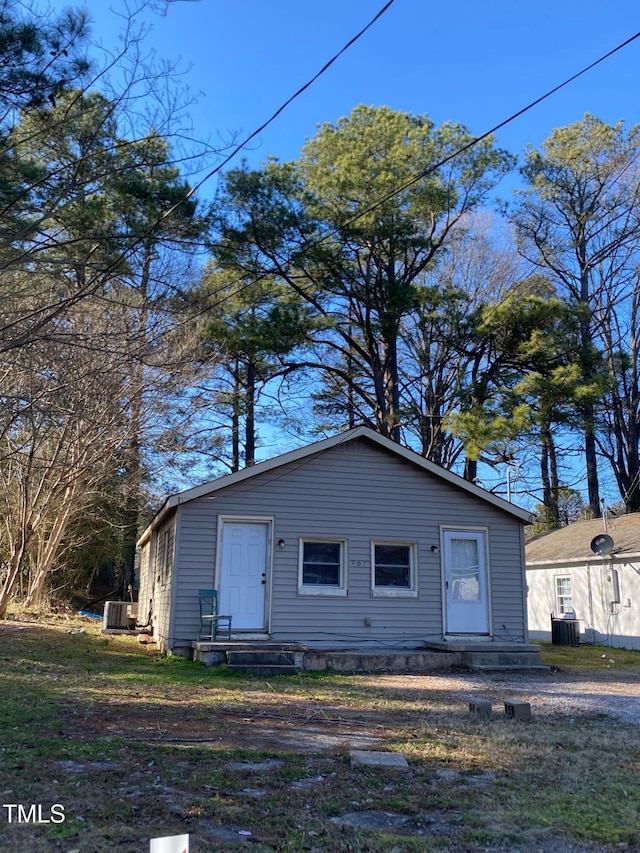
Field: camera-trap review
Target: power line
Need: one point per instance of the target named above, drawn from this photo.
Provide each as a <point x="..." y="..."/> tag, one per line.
<point x="419" y="176"/>
<point x="425" y="172"/>
<point x="56" y="309"/>
<point x="493" y="130"/>
<point x="431" y="169"/>
<point x="281" y="108"/>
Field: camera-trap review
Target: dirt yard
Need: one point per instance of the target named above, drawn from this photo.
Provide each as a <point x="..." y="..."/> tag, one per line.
<point x="136" y="745"/>
<point x="305" y="724"/>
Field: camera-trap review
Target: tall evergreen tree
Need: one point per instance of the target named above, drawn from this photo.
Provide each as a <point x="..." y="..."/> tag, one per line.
<point x="577" y="220"/>
<point x="352" y="226"/>
<point x="251" y="336"/>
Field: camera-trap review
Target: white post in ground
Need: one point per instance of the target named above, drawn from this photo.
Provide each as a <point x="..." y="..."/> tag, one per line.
<point x="170" y="844"/>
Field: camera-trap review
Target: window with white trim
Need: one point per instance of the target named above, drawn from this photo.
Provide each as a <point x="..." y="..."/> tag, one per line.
<point x="321" y="570"/>
<point x="393" y="568"/>
<point x="564" y="595"/>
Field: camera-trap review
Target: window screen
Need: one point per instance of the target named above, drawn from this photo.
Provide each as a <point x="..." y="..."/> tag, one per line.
<point x="321" y="563"/>
<point x="392" y="565"/>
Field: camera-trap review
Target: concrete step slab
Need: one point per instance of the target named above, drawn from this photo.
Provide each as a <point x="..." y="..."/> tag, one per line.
<point x="251" y="657"/>
<point x="264" y="669"/>
<point x="378" y="759"/>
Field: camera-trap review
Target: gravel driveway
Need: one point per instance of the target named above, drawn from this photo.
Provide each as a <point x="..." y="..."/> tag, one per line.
<point x="613" y="694"/>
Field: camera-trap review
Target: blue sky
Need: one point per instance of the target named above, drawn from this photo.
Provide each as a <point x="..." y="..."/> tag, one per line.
<point x="476" y="63"/>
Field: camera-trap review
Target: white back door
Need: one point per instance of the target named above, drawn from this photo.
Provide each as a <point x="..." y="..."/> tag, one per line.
<point x="242" y="574"/>
<point x="466" y="582"/>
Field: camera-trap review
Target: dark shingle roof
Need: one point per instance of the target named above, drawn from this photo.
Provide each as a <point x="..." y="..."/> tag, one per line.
<point x="574" y="541"/>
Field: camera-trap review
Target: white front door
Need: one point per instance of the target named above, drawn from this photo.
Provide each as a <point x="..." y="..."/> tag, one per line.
<point x="242" y="575"/>
<point x="466" y="582"/>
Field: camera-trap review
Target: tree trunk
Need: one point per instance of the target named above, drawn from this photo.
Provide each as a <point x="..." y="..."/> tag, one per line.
<point x="17" y="547"/>
<point x="250" y="417"/>
<point x="555" y="483"/>
<point x="470" y="470"/>
<point x="549" y="475"/>
<point x="632" y="495"/>
<point x="235" y="421"/>
<point x="591" y="462"/>
<point x="588" y="414"/>
<point x="48" y="544"/>
<point x="133" y="461"/>
<point x="351" y="403"/>
<point x="13" y="571"/>
<point x="391" y="386"/>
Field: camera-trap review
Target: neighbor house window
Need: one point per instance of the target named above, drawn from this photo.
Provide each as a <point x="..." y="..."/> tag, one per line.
<point x="322" y="564"/>
<point x="393" y="568"/>
<point x="564" y="595"/>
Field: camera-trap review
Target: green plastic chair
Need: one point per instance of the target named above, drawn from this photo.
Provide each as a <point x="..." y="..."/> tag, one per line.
<point x="209" y="617"/>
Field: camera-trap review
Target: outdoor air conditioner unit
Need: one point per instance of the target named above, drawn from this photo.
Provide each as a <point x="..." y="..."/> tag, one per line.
<point x="120" y="614"/>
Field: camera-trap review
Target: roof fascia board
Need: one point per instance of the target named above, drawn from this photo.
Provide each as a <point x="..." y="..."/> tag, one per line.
<point x="620" y="556"/>
<point x="155" y="521"/>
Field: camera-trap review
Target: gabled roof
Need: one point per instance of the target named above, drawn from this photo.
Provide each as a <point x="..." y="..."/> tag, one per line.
<point x="322" y="446"/>
<point x="573" y="543"/>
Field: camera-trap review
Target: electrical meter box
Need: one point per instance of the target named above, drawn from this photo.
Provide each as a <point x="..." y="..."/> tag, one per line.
<point x="611" y="586"/>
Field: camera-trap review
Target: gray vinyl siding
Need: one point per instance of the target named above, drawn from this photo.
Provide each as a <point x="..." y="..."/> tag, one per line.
<point x="195" y="567"/>
<point x="156" y="582"/>
<point x="357" y="492"/>
<point x="507" y="581"/>
<point x="145" y="587"/>
<point x="523" y="576"/>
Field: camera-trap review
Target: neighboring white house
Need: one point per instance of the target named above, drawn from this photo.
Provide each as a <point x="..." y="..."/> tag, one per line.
<point x="566" y="577"/>
<point x="352" y="541"/>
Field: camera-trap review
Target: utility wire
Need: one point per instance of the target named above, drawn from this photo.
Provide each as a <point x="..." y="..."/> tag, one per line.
<point x="431" y="169"/>
<point x="423" y="173"/>
<point x="419" y="176"/>
<point x="55" y="310"/>
<point x="477" y="139"/>
<point x="280" y="109"/>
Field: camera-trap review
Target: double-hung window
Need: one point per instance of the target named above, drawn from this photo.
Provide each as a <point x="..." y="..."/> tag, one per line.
<point x="393" y="569"/>
<point x="564" y="595"/>
<point x="322" y="567"/>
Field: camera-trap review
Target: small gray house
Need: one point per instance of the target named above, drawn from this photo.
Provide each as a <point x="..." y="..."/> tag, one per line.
<point x="350" y="542"/>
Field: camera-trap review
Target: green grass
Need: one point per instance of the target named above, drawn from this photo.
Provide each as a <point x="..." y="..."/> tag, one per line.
<point x="136" y="745"/>
<point x="590" y="656"/>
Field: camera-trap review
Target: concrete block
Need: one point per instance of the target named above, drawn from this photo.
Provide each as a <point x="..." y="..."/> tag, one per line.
<point x="517" y="709"/>
<point x="480" y="708"/>
<point x="379" y="759"/>
<point x="209" y="657"/>
<point x="314" y="661"/>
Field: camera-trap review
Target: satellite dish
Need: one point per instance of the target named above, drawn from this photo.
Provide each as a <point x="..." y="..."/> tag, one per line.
<point x="602" y="544"/>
